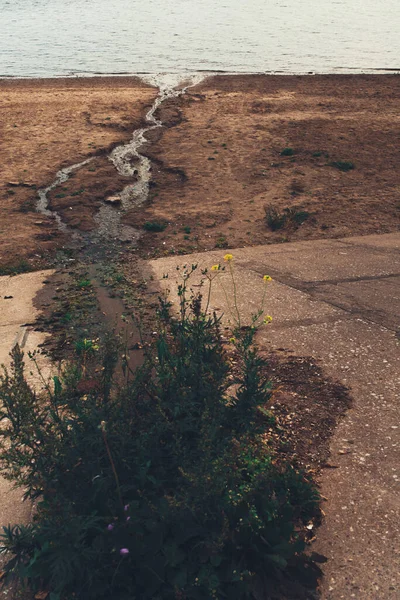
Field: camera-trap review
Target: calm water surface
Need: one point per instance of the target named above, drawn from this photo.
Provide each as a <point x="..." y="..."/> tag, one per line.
<point x="60" y="37"/>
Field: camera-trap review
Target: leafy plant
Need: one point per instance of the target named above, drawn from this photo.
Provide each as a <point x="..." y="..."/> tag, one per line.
<point x="221" y="242"/>
<point x="84" y="283"/>
<point x="274" y="219"/>
<point x="342" y="165"/>
<point x="22" y="266"/>
<point x="159" y="484"/>
<point x="154" y="226"/>
<point x="287" y="152"/>
<point x="290" y="216"/>
<point x="78" y="192"/>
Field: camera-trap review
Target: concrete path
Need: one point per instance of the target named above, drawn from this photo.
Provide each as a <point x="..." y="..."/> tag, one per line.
<point x="338" y="301"/>
<point x="17" y="311"/>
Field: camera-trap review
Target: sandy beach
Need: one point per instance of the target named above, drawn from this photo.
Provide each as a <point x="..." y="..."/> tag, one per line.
<point x="231" y="146"/>
<point x="52" y="123"/>
<point x="222" y="160"/>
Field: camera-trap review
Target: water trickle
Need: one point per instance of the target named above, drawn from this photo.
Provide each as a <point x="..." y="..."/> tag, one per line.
<point x="129" y="162"/>
<point x="122" y="156"/>
<point x="62" y="176"/>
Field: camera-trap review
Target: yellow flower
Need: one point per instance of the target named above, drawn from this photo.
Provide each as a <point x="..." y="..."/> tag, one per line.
<point x="267" y="319"/>
<point x="228" y="257"/>
<point x="267" y="278"/>
<point x="215" y="268"/>
<point x="232" y="340"/>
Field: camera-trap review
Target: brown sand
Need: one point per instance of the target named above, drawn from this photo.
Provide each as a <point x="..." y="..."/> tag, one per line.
<point x="216" y="164"/>
<point x="48" y="124"/>
<point x="219" y="162"/>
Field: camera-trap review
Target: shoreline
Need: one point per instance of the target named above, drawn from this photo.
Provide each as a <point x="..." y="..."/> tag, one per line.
<point x="342" y="71"/>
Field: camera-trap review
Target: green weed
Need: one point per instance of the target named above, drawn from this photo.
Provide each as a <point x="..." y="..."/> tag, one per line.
<point x="292" y="216"/>
<point x="22" y="266"/>
<point x="84" y="283"/>
<point x="221" y="242"/>
<point x="78" y="192"/>
<point x="154" y="226"/>
<point x="157" y="486"/>
<point x="287" y="152"/>
<point x="342" y="165"/>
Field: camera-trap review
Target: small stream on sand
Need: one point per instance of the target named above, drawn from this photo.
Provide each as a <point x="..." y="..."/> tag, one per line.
<point x="129" y="162"/>
<point x="61" y="177"/>
<point x="97" y="248"/>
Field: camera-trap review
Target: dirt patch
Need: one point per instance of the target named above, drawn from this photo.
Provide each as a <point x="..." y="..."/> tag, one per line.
<point x="53" y="123"/>
<point x="78" y="200"/>
<point x="320" y="151"/>
<point x="307" y="406"/>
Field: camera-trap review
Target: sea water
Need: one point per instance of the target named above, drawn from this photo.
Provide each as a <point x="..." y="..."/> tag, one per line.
<point x="42" y="38"/>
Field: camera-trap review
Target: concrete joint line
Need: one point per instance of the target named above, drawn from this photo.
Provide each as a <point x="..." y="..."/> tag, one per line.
<point x="308" y="288"/>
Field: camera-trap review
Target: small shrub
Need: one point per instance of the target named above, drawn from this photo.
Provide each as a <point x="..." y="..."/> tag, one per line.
<point x="297" y="216"/>
<point x="187" y="229"/>
<point x="296" y="187"/>
<point x="221" y="242"/>
<point x="293" y="216"/>
<point x="342" y="165"/>
<point x="154" y="226"/>
<point x="160" y="487"/>
<point x="287" y="152"/>
<point x="274" y="219"/>
<point x="22" y="266"/>
<point x="84" y="283"/>
<point x="28" y="206"/>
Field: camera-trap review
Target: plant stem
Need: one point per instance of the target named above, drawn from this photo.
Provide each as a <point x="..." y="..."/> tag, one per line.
<point x="234" y="293"/>
<point x="112" y="466"/>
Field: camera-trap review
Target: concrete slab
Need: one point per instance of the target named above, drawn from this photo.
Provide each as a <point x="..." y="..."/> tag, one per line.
<point x="287" y="305"/>
<point x="322" y="261"/>
<point x="15" y="315"/>
<point x="18" y="313"/>
<point x="361" y="533"/>
<point x="336" y="263"/>
<point x="389" y="241"/>
<point x="337" y="301"/>
<point x="377" y="301"/>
